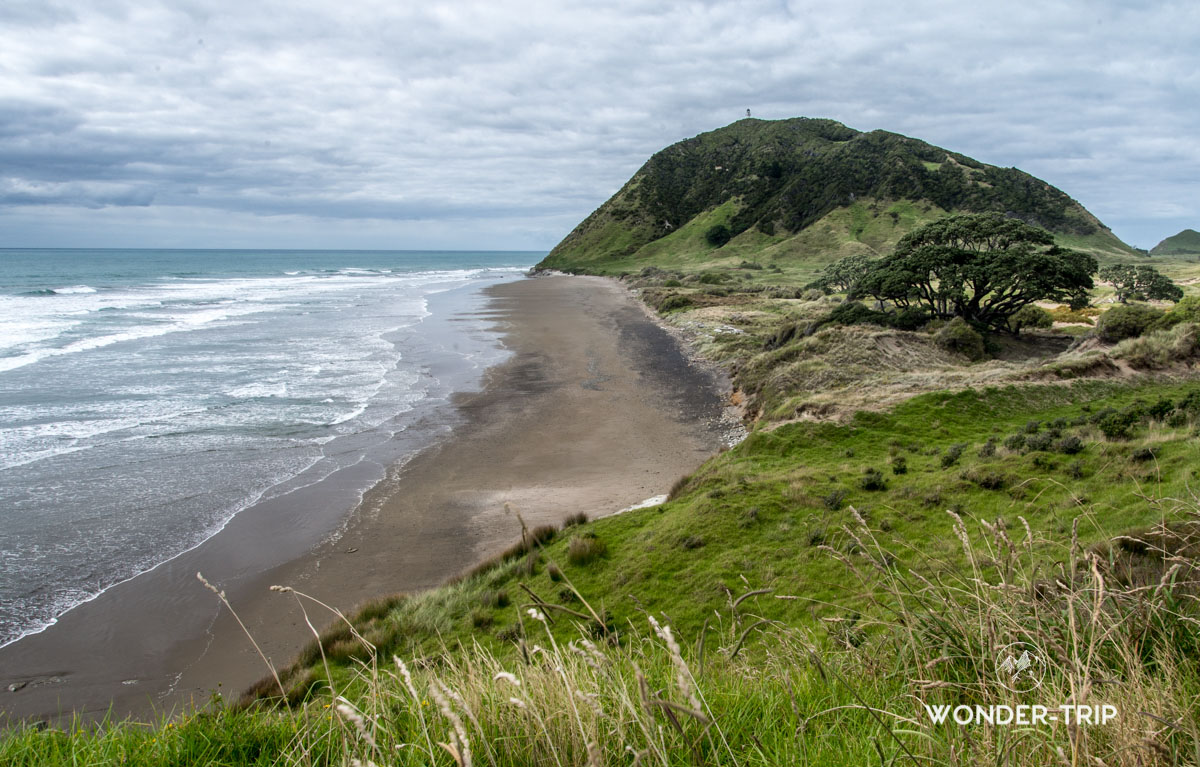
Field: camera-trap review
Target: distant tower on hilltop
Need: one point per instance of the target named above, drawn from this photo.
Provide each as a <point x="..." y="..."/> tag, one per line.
<point x="747" y="112"/>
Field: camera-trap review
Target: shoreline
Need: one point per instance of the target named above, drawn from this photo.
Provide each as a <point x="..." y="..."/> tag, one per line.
<point x="596" y="409"/>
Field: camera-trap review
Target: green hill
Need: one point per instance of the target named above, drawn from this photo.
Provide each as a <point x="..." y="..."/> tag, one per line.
<point x="1186" y="243"/>
<point x="805" y="190"/>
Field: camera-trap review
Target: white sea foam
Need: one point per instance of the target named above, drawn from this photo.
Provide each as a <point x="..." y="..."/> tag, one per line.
<point x="250" y="413"/>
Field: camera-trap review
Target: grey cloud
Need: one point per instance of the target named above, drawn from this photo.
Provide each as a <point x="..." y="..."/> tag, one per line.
<point x="526" y="116"/>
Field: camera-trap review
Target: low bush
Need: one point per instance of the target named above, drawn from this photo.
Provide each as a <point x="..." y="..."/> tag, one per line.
<point x="1069" y="445"/>
<point x="899" y="465"/>
<point x="1037" y="442"/>
<point x="986" y="478"/>
<point x="952" y="454"/>
<point x="674" y="303"/>
<point x="872" y="479"/>
<point x="1030" y="316"/>
<point x="1127" y="321"/>
<point x="1116" y="425"/>
<point x="958" y="336"/>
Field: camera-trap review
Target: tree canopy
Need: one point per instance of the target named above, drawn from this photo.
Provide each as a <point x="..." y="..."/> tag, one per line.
<point x="983" y="268"/>
<point x="843" y="274"/>
<point x="1140" y="282"/>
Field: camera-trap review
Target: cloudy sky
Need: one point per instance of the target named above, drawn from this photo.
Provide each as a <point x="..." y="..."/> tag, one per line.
<point x="405" y="124"/>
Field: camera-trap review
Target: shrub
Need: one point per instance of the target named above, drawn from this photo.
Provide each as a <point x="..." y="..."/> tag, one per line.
<point x="673" y="303"/>
<point x="1187" y="310"/>
<point x="952" y="454"/>
<point x="911" y="318"/>
<point x="480" y="619"/>
<point x="812" y="294"/>
<point x="1161" y="409"/>
<point x="712" y="278"/>
<point x="555" y="572"/>
<point x="1030" y="316"/>
<point x="958" y="336"/>
<point x="834" y="500"/>
<point x="854" y="313"/>
<point x="987" y="479"/>
<point x="1069" y="445"/>
<point x="672" y="283"/>
<point x="717" y="235"/>
<point x="1116" y="425"/>
<point x="872" y="479"/>
<point x="1015" y="442"/>
<point x="1032" y="427"/>
<point x="585" y="548"/>
<point x="899" y="465"/>
<point x="988" y="449"/>
<point x="1128" y="321"/>
<point x="1035" y="442"/>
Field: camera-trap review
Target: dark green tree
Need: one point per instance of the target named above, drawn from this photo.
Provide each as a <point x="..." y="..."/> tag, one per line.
<point x="717" y="235"/>
<point x="843" y="274"/>
<point x="983" y="268"/>
<point x="1140" y="282"/>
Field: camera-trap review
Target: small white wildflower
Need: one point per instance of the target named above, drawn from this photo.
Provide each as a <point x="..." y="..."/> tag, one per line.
<point x="536" y="614"/>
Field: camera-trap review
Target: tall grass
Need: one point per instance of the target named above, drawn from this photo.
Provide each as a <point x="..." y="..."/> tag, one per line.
<point x="1117" y="623"/>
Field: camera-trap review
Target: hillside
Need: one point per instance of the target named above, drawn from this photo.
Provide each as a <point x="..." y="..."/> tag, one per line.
<point x="1186" y="243"/>
<point x="803" y="190"/>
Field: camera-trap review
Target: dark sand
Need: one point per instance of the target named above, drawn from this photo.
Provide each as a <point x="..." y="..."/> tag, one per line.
<point x="596" y="410"/>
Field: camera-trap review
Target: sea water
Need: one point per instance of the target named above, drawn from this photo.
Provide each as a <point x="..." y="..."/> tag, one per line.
<point x="147" y="396"/>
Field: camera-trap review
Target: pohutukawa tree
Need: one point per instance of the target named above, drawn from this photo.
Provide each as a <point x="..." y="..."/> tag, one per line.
<point x="1140" y="282"/>
<point x="981" y="267"/>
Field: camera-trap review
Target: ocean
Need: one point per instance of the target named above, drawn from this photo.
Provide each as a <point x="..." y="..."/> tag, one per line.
<point x="148" y="396"/>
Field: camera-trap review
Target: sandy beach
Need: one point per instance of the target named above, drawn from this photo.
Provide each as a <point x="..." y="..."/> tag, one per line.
<point x="596" y="409"/>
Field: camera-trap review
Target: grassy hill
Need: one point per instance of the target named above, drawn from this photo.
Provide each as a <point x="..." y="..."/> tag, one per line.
<point x="793" y="191"/>
<point x="1186" y="243"/>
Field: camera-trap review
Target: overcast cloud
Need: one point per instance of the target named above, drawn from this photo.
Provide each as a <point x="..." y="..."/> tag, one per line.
<point x="362" y="124"/>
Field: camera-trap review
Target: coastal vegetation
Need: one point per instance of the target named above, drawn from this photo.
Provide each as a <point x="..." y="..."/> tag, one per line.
<point x="996" y="449"/>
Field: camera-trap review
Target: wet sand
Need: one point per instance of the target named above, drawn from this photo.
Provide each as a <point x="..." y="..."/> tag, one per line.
<point x="597" y="409"/>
